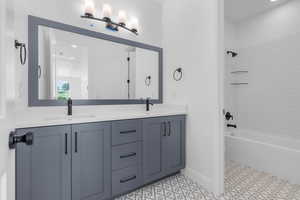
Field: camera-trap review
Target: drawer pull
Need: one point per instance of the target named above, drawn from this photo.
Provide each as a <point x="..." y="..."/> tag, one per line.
<point x="127" y="179"/>
<point x="128" y="155"/>
<point x="127" y="132"/>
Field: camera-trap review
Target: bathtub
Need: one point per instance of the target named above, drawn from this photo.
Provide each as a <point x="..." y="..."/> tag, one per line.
<point x="275" y="155"/>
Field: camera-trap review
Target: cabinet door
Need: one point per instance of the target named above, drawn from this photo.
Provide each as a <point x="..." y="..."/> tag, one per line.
<point x="153" y="135"/>
<point x="91" y="161"/>
<point x="174" y="145"/>
<point x="43" y="169"/>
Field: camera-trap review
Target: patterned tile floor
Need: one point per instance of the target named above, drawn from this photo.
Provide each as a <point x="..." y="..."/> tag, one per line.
<point x="241" y="183"/>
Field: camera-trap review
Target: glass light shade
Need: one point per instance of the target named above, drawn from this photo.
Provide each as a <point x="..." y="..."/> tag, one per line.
<point x="122" y="17"/>
<point x="134" y="25"/>
<point x="89" y="8"/>
<point x="107" y="11"/>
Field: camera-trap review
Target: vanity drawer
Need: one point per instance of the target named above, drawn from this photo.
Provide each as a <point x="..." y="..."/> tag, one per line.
<point x="126" y="180"/>
<point x="126" y="155"/>
<point x="126" y="131"/>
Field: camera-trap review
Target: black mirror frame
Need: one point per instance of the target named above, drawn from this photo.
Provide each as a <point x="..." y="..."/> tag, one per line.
<point x="33" y="90"/>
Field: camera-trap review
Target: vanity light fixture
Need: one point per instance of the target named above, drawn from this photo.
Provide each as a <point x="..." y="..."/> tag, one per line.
<point x="89" y="13"/>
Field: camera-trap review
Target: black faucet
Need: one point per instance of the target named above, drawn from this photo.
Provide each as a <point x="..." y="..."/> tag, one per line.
<point x="148" y="103"/>
<point x="70" y="107"/>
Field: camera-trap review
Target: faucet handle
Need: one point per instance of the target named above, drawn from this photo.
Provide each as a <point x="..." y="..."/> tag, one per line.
<point x="148" y="100"/>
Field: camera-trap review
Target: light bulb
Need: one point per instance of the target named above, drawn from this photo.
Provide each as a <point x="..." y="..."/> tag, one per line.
<point x="89" y="8"/>
<point x="122" y="17"/>
<point x="107" y="11"/>
<point x="134" y="25"/>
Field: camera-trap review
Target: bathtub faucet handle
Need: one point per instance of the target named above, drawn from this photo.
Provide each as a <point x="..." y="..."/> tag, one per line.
<point x="228" y="116"/>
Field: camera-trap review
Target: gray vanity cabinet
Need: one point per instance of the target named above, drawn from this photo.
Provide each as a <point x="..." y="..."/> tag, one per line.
<point x="153" y="136"/>
<point x="163" y="147"/>
<point x="43" y="169"/>
<point x="174" y="145"/>
<point x="98" y="161"/>
<point x="65" y="163"/>
<point x="91" y="161"/>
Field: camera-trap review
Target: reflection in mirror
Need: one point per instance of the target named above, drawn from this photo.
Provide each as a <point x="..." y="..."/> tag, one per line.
<point x="81" y="67"/>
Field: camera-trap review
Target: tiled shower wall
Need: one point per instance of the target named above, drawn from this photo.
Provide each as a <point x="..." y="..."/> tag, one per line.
<point x="268" y="47"/>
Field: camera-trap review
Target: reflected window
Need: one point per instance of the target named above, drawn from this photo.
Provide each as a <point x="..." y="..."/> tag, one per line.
<point x="63" y="90"/>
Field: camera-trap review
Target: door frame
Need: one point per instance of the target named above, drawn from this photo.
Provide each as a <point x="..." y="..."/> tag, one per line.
<point x="7" y="62"/>
<point x="218" y="140"/>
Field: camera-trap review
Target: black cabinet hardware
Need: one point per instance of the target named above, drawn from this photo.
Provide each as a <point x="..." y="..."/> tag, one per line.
<point x="76" y="142"/>
<point x="66" y="143"/>
<point x="39" y="71"/>
<point x="165" y="129"/>
<point x="169" y="126"/>
<point x="128" y="132"/>
<point x="128" y="155"/>
<point x="127" y="179"/>
<point x="15" y="139"/>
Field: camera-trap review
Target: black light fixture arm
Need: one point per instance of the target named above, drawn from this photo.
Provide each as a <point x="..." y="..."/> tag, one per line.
<point x="110" y="24"/>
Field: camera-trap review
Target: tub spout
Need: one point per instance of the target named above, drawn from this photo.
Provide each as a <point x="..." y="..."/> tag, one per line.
<point x="231" y="125"/>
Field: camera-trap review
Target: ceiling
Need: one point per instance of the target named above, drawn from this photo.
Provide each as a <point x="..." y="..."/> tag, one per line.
<point x="239" y="10"/>
<point x="159" y="1"/>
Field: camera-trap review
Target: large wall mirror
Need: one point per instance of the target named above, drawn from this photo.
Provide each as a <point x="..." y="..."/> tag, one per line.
<point x="90" y="67"/>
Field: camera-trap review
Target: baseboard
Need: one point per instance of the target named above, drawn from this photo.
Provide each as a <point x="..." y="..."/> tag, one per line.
<point x="202" y="180"/>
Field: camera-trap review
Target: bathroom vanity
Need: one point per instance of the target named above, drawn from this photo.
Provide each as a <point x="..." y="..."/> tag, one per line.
<point x="98" y="156"/>
<point x="98" y="160"/>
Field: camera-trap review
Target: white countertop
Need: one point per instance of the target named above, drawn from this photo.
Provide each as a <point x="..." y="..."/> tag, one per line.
<point x="54" y="120"/>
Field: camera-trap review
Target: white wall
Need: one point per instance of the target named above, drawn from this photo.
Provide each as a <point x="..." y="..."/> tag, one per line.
<point x="269" y="46"/>
<point x="270" y="26"/>
<point x="7" y="94"/>
<point x="230" y="35"/>
<point x="231" y="43"/>
<point x="193" y="45"/>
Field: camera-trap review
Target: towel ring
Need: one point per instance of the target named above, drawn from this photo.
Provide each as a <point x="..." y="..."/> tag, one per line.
<point x="23" y="51"/>
<point x="178" y="74"/>
<point x="148" y="81"/>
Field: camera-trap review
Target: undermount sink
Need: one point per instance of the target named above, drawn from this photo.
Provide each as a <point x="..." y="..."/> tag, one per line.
<point x="73" y="117"/>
